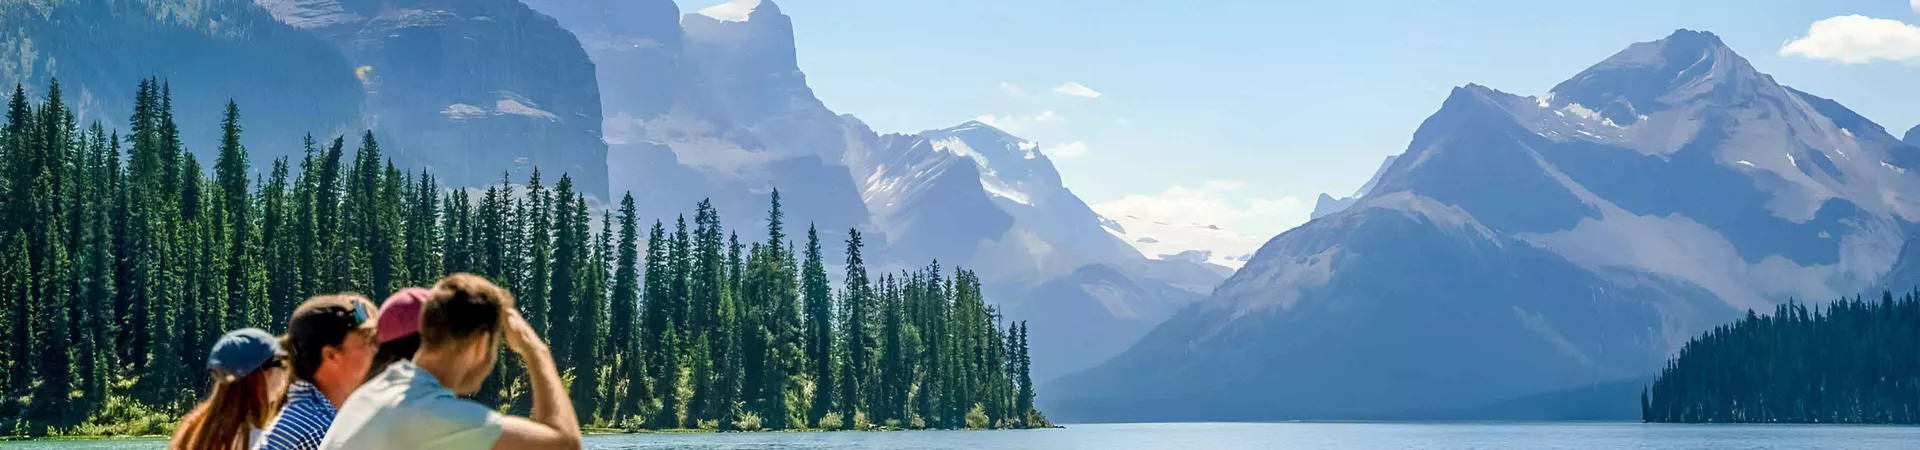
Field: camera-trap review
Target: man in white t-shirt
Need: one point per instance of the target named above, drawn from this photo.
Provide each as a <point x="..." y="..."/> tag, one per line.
<point x="417" y="405"/>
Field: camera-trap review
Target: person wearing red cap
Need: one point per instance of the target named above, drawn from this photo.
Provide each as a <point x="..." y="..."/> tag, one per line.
<point x="418" y="404"/>
<point x="399" y="329"/>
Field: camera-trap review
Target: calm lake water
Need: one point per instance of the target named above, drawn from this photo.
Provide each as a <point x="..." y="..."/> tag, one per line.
<point x="1335" y="436"/>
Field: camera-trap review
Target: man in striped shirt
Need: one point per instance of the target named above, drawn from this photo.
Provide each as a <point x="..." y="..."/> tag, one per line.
<point x="330" y="344"/>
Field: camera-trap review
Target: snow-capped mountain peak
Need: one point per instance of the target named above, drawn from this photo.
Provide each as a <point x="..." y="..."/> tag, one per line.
<point x="1010" y="167"/>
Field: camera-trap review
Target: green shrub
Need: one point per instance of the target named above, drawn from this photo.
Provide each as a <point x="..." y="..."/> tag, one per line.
<point x="831" y="421"/>
<point x="748" y="422"/>
<point x="977" y="418"/>
<point x="124" y="416"/>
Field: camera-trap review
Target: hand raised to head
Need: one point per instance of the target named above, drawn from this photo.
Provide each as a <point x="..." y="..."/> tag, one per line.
<point x="521" y="337"/>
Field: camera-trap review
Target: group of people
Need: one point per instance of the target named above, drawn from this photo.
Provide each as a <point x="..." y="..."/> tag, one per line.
<point x="394" y="378"/>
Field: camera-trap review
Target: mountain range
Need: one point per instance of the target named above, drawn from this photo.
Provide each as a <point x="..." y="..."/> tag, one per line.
<point x="1527" y="244"/>
<point x="713" y="105"/>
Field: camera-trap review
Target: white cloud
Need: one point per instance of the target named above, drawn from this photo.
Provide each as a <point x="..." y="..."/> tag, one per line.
<point x="1858" y="39"/>
<point x="1916" y="5"/>
<point x="1228" y="204"/>
<point x="1021" y="124"/>
<point x="1012" y="90"/>
<point x="1068" y="150"/>
<point x="1127" y="121"/>
<point x="1077" y="90"/>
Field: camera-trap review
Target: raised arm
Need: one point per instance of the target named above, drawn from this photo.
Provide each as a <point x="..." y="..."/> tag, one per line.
<point x="554" y="425"/>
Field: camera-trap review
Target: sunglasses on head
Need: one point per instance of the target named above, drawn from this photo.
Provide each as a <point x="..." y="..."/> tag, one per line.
<point x="359" y="313"/>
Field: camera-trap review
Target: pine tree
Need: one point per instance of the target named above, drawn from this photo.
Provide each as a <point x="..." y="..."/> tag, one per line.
<point x="855" y="299"/>
<point x="231" y="172"/>
<point x="538" y="220"/>
<point x="893" y="386"/>
<point x="1024" y="408"/>
<point x="586" y="387"/>
<point x="624" y="335"/>
<point x="52" y="300"/>
<point x="819" y="322"/>
<point x="661" y="334"/>
<point x="568" y="257"/>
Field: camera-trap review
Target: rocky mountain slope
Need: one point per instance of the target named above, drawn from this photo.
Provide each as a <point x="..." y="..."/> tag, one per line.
<point x="714" y="105"/>
<point x="1523" y="245"/>
<point x="286" y="82"/>
<point x="469" y="88"/>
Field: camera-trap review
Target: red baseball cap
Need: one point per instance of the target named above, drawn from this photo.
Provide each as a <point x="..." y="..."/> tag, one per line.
<point x="400" y="314"/>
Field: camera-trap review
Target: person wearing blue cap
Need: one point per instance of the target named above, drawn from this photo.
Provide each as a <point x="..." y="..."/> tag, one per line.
<point x="246" y="369"/>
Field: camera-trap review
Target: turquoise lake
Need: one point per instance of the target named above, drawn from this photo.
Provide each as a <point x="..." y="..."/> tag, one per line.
<point x="1186" y="436"/>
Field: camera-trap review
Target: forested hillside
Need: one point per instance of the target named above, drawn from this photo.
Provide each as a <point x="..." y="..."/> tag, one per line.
<point x="1856" y="361"/>
<point x="121" y="260"/>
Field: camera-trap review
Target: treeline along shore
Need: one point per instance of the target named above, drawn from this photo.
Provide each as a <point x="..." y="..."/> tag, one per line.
<point x="122" y="258"/>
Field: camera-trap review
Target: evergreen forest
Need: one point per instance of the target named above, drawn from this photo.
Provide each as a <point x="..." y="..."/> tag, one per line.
<point x="122" y="258"/>
<point x="1856" y="361"/>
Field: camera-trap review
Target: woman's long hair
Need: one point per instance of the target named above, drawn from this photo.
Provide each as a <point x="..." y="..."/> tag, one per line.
<point x="399" y="349"/>
<point x="227" y="418"/>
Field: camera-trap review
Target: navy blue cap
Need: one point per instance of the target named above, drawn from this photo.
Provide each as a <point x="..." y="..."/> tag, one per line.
<point x="243" y="351"/>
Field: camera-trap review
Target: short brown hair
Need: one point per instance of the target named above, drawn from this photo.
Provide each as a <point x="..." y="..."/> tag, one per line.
<point x="463" y="306"/>
<point x="321" y="322"/>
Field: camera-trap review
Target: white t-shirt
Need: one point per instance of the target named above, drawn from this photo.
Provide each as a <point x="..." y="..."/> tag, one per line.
<point x="406" y="408"/>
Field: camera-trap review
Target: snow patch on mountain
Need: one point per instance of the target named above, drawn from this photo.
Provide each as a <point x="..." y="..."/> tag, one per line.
<point x="732" y="11"/>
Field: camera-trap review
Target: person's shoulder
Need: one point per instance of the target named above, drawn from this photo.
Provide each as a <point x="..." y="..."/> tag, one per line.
<point x="300" y="426"/>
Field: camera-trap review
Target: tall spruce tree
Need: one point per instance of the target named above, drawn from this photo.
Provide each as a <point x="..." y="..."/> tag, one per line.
<point x="855" y="301"/>
<point x="230" y="170"/>
<point x="623" y="333"/>
<point x="818" y="293"/>
<point x="568" y="257"/>
<point x="587" y="327"/>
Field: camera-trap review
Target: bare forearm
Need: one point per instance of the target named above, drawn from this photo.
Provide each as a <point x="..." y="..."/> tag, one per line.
<point x="550" y="404"/>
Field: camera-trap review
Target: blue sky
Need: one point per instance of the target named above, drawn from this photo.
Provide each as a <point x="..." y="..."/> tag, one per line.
<point x="1240" y="112"/>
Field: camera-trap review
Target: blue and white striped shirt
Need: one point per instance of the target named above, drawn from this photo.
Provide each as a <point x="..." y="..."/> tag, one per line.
<point x="303" y="422"/>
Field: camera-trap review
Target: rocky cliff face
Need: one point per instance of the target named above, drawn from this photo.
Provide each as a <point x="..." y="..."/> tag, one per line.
<point x="470" y="89"/>
<point x="1528" y="244"/>
<point x="286" y="82"/>
<point x="718" y="109"/>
